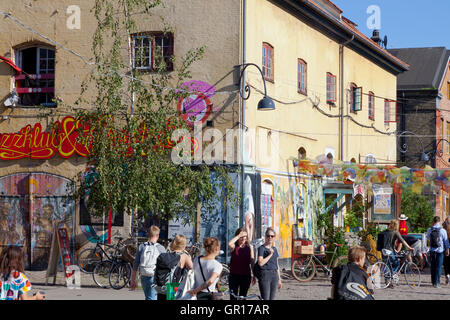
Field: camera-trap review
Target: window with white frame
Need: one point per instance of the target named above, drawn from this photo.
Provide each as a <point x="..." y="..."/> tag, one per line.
<point x="151" y="49"/>
<point x="35" y="86"/>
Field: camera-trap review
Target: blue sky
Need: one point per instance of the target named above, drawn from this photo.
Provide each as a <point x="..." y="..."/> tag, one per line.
<point x="407" y="23"/>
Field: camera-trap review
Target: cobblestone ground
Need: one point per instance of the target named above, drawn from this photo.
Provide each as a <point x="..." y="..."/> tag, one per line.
<point x="317" y="289"/>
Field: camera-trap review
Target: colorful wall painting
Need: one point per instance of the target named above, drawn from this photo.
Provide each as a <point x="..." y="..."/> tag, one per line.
<point x="30" y="205"/>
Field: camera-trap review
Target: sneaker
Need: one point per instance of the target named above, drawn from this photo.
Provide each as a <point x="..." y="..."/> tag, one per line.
<point x="447" y="279"/>
<point x="436" y="285"/>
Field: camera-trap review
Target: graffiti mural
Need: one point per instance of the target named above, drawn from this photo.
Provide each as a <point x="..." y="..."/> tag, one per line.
<point x="223" y="220"/>
<point x="31" y="204"/>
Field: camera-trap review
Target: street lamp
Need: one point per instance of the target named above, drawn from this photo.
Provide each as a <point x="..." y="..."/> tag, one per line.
<point x="403" y="148"/>
<point x="266" y="103"/>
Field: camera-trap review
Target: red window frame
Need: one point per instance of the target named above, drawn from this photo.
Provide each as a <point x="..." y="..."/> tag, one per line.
<point x="268" y="61"/>
<point x="371" y="104"/>
<point x="302" y="77"/>
<point x="331" y="88"/>
<point x="153" y="37"/>
<point x="387" y="111"/>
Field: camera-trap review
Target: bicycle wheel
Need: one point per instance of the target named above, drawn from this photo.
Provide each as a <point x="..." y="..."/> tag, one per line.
<point x="380" y="275"/>
<point x="303" y="269"/>
<point x="412" y="275"/>
<point x="87" y="260"/>
<point x="342" y="260"/>
<point x="120" y="275"/>
<point x="224" y="276"/>
<point x="101" y="273"/>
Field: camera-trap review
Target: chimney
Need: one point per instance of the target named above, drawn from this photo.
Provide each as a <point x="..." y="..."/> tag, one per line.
<point x="376" y="37"/>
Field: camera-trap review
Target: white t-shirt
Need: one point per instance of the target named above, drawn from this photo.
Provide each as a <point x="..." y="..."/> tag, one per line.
<point x="209" y="266"/>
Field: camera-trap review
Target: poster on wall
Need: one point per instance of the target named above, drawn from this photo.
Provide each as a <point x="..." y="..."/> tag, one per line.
<point x="177" y="226"/>
<point x="266" y="206"/>
<point x="382" y="199"/>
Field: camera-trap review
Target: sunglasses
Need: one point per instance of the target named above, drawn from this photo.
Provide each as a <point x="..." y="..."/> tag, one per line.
<point x="270" y="236"/>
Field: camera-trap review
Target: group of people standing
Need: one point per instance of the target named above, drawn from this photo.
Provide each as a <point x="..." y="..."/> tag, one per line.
<point x="207" y="269"/>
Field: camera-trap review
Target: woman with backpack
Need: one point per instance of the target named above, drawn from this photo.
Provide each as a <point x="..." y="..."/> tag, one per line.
<point x="242" y="257"/>
<point x="207" y="271"/>
<point x="171" y="266"/>
<point x="269" y="279"/>
<point x="14" y="285"/>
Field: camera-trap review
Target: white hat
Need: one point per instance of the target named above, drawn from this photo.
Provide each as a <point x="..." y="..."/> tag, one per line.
<point x="403" y="217"/>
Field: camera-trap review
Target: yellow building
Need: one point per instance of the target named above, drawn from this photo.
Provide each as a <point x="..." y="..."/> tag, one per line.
<point x="322" y="73"/>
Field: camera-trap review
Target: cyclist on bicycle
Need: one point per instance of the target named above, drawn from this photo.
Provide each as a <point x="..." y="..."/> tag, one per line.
<point x="386" y="243"/>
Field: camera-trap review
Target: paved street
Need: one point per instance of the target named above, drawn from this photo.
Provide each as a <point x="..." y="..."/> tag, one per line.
<point x="317" y="289"/>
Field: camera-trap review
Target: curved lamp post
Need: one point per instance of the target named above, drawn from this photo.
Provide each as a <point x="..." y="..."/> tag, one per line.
<point x="403" y="148"/>
<point x="265" y="103"/>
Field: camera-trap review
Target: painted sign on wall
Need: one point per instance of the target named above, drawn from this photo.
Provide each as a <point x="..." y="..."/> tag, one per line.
<point x="33" y="142"/>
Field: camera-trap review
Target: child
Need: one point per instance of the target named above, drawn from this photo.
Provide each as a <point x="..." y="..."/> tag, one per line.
<point x="14" y="285"/>
<point x="350" y="282"/>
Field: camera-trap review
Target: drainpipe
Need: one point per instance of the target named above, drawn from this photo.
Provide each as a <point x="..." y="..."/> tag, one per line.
<point x="341" y="109"/>
<point x="244" y="39"/>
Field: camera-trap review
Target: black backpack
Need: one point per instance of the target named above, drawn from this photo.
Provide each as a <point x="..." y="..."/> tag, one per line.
<point x="167" y="269"/>
<point x="351" y="285"/>
<point x="384" y="240"/>
<point x="435" y="237"/>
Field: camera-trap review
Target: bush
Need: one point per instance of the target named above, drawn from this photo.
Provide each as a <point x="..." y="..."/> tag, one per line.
<point x="419" y="211"/>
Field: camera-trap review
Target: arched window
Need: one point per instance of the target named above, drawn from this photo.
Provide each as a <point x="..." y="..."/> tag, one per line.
<point x="36" y="84"/>
<point x="301" y="153"/>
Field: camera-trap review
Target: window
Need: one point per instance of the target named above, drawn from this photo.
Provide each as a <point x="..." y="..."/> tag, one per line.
<point x="36" y="86"/>
<point x="267" y="62"/>
<point x="151" y="49"/>
<point x="331" y="88"/>
<point x="441" y="134"/>
<point x="371" y="106"/>
<point x="448" y="137"/>
<point x="301" y="72"/>
<point x="390" y="111"/>
<point x="302" y="153"/>
<point x="448" y="89"/>
<point x="355" y="98"/>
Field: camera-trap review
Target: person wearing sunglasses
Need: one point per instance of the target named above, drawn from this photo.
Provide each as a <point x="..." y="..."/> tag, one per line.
<point x="269" y="279"/>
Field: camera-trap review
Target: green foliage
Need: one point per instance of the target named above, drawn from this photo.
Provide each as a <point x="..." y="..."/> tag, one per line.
<point x="132" y="117"/>
<point x="331" y="234"/>
<point x="418" y="210"/>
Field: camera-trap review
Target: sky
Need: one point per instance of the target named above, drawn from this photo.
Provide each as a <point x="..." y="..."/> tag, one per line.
<point x="407" y="23"/>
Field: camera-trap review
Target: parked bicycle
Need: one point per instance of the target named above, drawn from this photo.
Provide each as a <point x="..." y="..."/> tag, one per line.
<point x="115" y="271"/>
<point x="88" y="258"/>
<point x="382" y="274"/>
<point x="304" y="268"/>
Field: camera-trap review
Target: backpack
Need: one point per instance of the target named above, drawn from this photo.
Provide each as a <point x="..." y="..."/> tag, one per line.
<point x="167" y="269"/>
<point x="435" y="237"/>
<point x="148" y="259"/>
<point x="384" y="240"/>
<point x="351" y="285"/>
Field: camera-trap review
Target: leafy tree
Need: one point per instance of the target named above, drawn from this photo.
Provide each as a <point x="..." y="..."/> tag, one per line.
<point x="418" y="210"/>
<point x="132" y="117"/>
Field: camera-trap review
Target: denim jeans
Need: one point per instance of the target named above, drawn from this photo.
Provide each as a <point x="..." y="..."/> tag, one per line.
<point x="268" y="284"/>
<point x="150" y="293"/>
<point x="394" y="262"/>
<point x="436" y="260"/>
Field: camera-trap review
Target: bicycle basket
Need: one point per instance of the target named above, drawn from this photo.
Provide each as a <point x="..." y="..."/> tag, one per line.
<point x="128" y="253"/>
